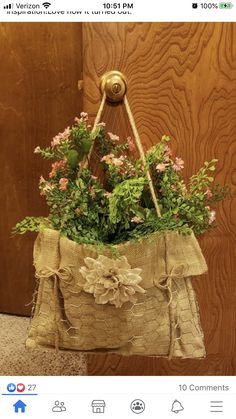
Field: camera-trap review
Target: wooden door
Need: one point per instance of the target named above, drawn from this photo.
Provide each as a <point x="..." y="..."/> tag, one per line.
<point x="181" y="82"/>
<point x="40" y="67"/>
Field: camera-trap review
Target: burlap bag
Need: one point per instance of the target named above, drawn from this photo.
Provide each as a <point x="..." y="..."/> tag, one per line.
<point x="164" y="321"/>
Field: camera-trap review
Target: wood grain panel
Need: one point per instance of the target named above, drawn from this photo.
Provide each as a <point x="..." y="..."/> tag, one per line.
<point x="40" y="66"/>
<point x="181" y="82"/>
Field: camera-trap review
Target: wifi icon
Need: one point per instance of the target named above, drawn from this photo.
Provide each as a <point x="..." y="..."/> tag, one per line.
<point x="46" y="4"/>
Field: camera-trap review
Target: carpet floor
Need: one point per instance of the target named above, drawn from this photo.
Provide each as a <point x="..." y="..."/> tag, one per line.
<point x="15" y="359"/>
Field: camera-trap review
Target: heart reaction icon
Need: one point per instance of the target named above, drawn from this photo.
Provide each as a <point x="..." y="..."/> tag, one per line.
<point x="20" y="387"/>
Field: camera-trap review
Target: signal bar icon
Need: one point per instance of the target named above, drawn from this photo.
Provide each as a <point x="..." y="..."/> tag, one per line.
<point x="8" y="6"/>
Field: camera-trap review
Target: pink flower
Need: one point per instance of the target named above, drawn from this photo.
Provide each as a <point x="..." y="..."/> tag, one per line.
<point x="212" y="216"/>
<point x="167" y="151"/>
<point x="209" y="194"/>
<point x="113" y="137"/>
<point x="136" y="219"/>
<point x="107" y="194"/>
<point x="37" y="150"/>
<point x="108" y="158"/>
<point x="58" y="165"/>
<point x="101" y="124"/>
<point x="178" y="165"/>
<point x="117" y="162"/>
<point x="60" y="137"/>
<point x="161" y="167"/>
<point x="56" y="141"/>
<point x="131" y="144"/>
<point x="63" y="182"/>
<point x="94" y="177"/>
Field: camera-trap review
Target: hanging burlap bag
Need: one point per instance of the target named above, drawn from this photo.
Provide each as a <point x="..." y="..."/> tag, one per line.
<point x="137" y="300"/>
<point x="164" y="321"/>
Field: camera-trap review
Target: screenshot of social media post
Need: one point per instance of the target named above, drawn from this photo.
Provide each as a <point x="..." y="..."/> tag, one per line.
<point x="117" y="217"/>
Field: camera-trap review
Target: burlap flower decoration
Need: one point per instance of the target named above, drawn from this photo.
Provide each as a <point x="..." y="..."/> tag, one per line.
<point x="111" y="280"/>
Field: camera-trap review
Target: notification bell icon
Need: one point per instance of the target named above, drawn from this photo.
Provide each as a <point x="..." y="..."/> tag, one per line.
<point x="176" y="407"/>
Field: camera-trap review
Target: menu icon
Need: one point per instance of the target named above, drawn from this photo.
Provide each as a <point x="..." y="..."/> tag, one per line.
<point x="216" y="406"/>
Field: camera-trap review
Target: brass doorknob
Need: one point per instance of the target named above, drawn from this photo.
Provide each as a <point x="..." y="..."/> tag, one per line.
<point x="114" y="84"/>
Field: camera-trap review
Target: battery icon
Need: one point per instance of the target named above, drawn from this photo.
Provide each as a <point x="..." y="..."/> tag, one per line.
<point x="225" y="5"/>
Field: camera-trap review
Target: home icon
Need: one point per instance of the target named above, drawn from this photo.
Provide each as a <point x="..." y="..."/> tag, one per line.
<point x="98" y="406"/>
<point x="19" y="406"/>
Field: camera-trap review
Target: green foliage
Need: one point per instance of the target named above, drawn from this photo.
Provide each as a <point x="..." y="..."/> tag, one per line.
<point x="219" y="193"/>
<point x="86" y="211"/>
<point x="80" y="212"/>
<point x="82" y="139"/>
<point x="202" y="180"/>
<point x="166" y="223"/>
<point x="47" y="153"/>
<point x="73" y="159"/>
<point x="30" y="224"/>
<point x="156" y="153"/>
<point x="105" y="146"/>
<point x="125" y="201"/>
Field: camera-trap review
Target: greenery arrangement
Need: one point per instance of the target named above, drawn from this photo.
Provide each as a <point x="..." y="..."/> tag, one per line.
<point x="120" y="208"/>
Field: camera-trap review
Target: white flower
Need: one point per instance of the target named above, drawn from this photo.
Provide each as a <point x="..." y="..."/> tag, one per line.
<point x="42" y="180"/>
<point x="113" y="137"/>
<point x="84" y="115"/>
<point x="45" y="186"/>
<point x="107" y="194"/>
<point x="136" y="219"/>
<point x="111" y="280"/>
<point x="161" y="167"/>
<point x="212" y="216"/>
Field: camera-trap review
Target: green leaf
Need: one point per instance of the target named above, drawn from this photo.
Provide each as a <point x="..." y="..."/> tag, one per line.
<point x="73" y="159"/>
<point x="86" y="145"/>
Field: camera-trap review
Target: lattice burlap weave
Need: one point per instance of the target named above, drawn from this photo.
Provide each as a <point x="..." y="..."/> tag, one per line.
<point x="164" y="321"/>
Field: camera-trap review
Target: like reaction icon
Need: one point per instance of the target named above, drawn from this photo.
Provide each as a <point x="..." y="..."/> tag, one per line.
<point x="20" y="387"/>
<point x="11" y="388"/>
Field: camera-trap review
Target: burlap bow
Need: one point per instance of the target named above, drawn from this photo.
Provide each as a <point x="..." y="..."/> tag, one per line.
<point x="165" y="281"/>
<point x="64" y="274"/>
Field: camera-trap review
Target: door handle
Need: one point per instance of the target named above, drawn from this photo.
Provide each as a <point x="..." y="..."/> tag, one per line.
<point x="114" y="84"/>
